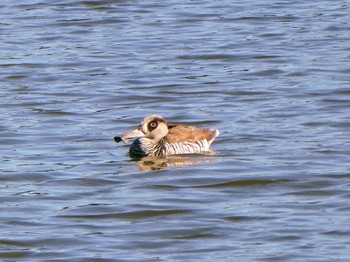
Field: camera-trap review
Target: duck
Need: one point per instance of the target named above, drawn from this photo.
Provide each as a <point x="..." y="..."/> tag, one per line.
<point x="155" y="137"/>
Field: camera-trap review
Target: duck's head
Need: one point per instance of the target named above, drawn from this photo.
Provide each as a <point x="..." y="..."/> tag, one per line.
<point x="152" y="127"/>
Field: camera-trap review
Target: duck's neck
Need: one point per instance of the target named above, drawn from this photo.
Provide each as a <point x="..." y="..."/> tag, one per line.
<point x="147" y="147"/>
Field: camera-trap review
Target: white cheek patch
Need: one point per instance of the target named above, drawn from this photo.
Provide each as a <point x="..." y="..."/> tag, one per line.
<point x="144" y="129"/>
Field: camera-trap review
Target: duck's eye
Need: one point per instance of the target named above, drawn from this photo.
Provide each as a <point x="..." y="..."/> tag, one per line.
<point x="153" y="124"/>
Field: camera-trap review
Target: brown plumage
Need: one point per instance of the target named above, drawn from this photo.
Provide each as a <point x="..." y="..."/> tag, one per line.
<point x="182" y="133"/>
<point x="154" y="137"/>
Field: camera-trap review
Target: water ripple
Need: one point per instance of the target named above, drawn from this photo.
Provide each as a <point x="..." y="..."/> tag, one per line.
<point x="273" y="77"/>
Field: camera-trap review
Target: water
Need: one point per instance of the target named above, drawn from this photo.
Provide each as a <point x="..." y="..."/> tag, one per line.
<point x="272" y="76"/>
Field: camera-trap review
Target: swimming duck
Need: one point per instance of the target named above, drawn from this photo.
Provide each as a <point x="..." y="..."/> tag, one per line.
<point x="155" y="137"/>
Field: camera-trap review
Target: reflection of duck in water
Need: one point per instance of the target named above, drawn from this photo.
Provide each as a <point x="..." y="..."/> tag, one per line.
<point x="154" y="137"/>
<point x="150" y="163"/>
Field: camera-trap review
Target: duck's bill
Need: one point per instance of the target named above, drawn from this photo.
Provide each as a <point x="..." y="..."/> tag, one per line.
<point x="127" y="137"/>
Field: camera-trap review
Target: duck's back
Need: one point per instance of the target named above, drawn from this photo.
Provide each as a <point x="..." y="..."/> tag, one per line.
<point x="183" y="139"/>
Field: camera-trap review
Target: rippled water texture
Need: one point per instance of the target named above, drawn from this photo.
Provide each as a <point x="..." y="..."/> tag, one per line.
<point x="272" y="76"/>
